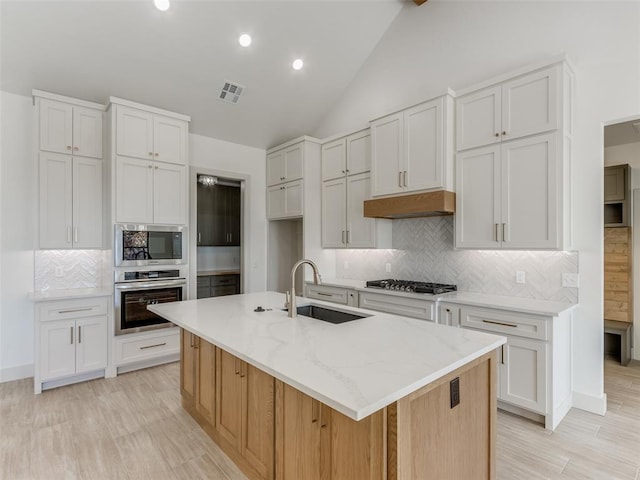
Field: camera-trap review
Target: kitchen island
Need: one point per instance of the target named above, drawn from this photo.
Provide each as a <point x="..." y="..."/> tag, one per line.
<point x="297" y="398"/>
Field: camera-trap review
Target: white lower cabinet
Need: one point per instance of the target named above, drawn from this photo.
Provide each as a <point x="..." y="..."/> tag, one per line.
<point x="398" y="305"/>
<point x="534" y="372"/>
<point x="329" y="293"/>
<point x="71" y="340"/>
<point x="448" y="314"/>
<point x="285" y="201"/>
<point x="153" y="347"/>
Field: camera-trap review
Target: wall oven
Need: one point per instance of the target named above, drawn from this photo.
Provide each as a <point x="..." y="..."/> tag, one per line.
<point x="134" y="290"/>
<point x="140" y="245"/>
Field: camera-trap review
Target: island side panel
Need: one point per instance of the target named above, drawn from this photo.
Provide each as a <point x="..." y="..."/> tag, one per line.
<point x="429" y="439"/>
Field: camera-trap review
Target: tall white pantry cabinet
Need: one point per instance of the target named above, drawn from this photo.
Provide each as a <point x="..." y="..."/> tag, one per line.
<point x="513" y="161"/>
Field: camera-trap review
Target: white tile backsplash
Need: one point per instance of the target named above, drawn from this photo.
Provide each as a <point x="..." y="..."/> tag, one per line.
<point x="79" y="268"/>
<point x="423" y="251"/>
<point x="218" y="258"/>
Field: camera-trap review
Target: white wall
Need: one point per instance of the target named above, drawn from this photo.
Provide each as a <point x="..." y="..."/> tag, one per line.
<point x="17" y="216"/>
<point x="229" y="157"/>
<point x="446" y="43"/>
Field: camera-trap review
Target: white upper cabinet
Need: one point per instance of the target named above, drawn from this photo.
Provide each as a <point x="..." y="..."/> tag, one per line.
<point x="70" y="129"/>
<point x="70" y="201"/>
<point x="525" y="105"/>
<point x="285" y="201"/>
<point x="285" y="165"/>
<point x="513" y="192"/>
<point x="347" y="184"/>
<point x="150" y="192"/>
<point x="147" y="135"/>
<point x="412" y="150"/>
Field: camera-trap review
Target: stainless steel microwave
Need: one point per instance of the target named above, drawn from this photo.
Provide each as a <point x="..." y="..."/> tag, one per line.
<point x="139" y="245"/>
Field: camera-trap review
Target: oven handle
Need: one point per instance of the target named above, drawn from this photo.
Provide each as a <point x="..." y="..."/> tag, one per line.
<point x="149" y="285"/>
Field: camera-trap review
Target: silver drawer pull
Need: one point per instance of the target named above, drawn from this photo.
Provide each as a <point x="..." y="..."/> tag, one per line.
<point x="153" y="346"/>
<point x="500" y="323"/>
<point x="73" y="310"/>
<point x="324" y="294"/>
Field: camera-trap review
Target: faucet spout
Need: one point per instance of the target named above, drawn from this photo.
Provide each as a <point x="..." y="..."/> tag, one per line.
<point x="317" y="279"/>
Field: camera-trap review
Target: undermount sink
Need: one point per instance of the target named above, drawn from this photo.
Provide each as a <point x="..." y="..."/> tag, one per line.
<point x="327" y="314"/>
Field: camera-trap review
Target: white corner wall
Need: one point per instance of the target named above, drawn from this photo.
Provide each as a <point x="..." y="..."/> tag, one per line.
<point x="18" y="190"/>
<point x="224" y="156"/>
<point x="446" y="43"/>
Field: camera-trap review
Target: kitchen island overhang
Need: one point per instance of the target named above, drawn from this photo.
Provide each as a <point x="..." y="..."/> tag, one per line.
<point x="377" y="369"/>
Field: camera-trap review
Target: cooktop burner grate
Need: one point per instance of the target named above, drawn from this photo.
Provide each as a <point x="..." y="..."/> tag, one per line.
<point x="411" y="286"/>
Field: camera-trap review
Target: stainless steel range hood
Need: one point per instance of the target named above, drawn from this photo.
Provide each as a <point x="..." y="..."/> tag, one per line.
<point x="427" y="204"/>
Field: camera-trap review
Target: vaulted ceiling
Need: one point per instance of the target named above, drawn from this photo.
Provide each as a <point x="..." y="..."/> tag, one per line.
<point x="178" y="60"/>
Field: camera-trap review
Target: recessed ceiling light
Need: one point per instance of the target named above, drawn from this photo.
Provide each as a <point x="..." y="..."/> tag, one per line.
<point x="244" y="40"/>
<point x="297" y="64"/>
<point x="162" y="5"/>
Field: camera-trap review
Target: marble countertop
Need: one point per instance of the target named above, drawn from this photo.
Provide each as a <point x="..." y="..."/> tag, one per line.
<point x="49" y="295"/>
<point x="357" y="368"/>
<point x="501" y="302"/>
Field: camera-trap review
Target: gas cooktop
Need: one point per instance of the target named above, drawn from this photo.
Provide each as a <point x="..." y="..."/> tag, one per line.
<point x="412" y="287"/>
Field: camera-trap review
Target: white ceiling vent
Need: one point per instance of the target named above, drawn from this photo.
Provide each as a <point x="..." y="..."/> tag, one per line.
<point x="231" y="92"/>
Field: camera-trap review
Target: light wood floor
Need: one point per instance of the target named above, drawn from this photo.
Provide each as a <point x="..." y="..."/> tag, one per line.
<point x="133" y="427"/>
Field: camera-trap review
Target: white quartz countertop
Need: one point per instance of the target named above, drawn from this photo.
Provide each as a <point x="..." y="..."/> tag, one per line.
<point x="501" y="302"/>
<point x="72" y="293"/>
<point x="357" y="367"/>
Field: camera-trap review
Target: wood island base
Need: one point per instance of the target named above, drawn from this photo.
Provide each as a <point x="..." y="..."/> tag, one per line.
<point x="273" y="431"/>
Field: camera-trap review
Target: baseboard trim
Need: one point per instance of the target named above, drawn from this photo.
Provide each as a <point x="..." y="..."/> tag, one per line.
<point x="16" y="373"/>
<point x="590" y="403"/>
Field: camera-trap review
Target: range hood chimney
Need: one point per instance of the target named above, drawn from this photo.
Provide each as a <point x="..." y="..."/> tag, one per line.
<point x="428" y="204"/>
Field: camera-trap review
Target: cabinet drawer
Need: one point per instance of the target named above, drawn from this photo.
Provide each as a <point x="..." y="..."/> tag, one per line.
<point x="220" y="280"/>
<point x="66" y="309"/>
<point x="223" y="290"/>
<point x="505" y="323"/>
<point x="203" y="281"/>
<point x="328" y="294"/>
<point x="398" y="305"/>
<point x="146" y="347"/>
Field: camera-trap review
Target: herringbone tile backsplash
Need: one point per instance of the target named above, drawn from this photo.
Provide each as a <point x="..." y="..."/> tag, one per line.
<point x="423" y="251"/>
<point x="79" y="268"/>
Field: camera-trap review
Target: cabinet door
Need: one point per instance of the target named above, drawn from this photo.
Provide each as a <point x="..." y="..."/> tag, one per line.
<point x="91" y="345"/>
<point x="205" y="374"/>
<point x="228" y="397"/>
<point x="169" y="140"/>
<point x="523" y="374"/>
<point x="293" y="199"/>
<point x="386" y="155"/>
<point x="359" y="152"/>
<point x="334" y="159"/>
<point x="205" y="202"/>
<point x="276" y="202"/>
<point x="258" y="420"/>
<point x="55" y="200"/>
<point x="57" y="349"/>
<point x="478" y="198"/>
<point x="134" y="190"/>
<point x="219" y="218"/>
<point x="233" y="215"/>
<point x="478" y="118"/>
<point x="298" y="436"/>
<point x="87" y="203"/>
<point x="423" y="150"/>
<point x="134" y="133"/>
<point x="530" y="193"/>
<point x="275" y="168"/>
<point x="56" y="126"/>
<point x="188" y="359"/>
<point x="615" y="183"/>
<point x="530" y="104"/>
<point x="87" y="132"/>
<point x="449" y="315"/>
<point x="334" y="198"/>
<point x="293" y="162"/>
<point x="169" y="195"/>
<point x="361" y="231"/>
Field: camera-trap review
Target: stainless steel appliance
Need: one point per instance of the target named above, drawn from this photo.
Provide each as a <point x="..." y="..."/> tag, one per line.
<point x="411" y="286"/>
<point x="134" y="290"/>
<point x="139" y="245"/>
